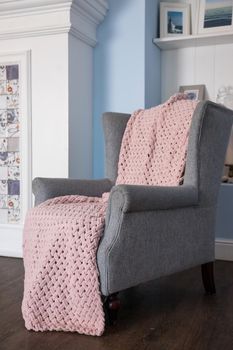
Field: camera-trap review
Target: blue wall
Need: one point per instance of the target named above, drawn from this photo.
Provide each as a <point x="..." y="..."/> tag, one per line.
<point x="152" y="56"/>
<point x="224" y="222"/>
<point x="126" y="66"/>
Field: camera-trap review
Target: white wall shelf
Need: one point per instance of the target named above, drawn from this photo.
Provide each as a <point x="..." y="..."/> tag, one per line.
<point x="193" y="40"/>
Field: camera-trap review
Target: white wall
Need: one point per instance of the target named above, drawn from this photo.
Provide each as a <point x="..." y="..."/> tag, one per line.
<point x="209" y="65"/>
<point x="80" y="108"/>
<point x="49" y="118"/>
<point x="60" y="36"/>
<point x="49" y="79"/>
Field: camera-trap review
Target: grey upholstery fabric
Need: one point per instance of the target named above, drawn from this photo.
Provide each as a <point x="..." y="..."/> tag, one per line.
<point x="145" y="198"/>
<point x="153" y="231"/>
<point x="114" y="125"/>
<point x="165" y="234"/>
<point x="46" y="188"/>
<point x="138" y="247"/>
<point x="209" y="135"/>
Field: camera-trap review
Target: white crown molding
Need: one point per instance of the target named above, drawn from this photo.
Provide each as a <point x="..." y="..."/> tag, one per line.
<point x="29" y="18"/>
<point x="10" y="8"/>
<point x="94" y="10"/>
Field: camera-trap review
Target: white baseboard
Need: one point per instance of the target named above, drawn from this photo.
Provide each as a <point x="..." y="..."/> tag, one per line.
<point x="11" y="240"/>
<point x="10" y="253"/>
<point x="224" y="249"/>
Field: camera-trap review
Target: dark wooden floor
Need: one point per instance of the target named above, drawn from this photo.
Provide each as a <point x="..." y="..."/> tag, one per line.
<point x="168" y="314"/>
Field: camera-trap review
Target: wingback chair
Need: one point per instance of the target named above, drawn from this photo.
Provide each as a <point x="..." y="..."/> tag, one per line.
<point x="153" y="231"/>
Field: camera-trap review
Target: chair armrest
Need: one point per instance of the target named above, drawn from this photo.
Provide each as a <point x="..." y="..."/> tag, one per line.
<point x="135" y="198"/>
<point x="46" y="188"/>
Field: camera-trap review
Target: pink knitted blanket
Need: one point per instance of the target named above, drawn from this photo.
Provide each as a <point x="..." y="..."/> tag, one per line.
<point x="61" y="236"/>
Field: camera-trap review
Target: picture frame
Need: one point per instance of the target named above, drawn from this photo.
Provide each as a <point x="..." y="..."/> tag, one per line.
<point x="195" y="92"/>
<point x="174" y="19"/>
<point x="15" y="163"/>
<point x="215" y="16"/>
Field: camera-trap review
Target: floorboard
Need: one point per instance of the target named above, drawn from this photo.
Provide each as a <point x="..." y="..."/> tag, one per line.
<point x="171" y="313"/>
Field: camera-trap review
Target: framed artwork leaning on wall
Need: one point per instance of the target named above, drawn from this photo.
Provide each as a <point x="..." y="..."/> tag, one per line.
<point x="215" y="16"/>
<point x="194" y="92"/>
<point x="174" y="19"/>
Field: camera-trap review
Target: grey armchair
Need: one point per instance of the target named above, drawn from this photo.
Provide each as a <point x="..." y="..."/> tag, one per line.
<point x="154" y="231"/>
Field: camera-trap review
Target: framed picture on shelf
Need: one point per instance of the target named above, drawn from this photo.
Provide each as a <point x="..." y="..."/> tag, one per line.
<point x="194" y="92"/>
<point x="215" y="16"/>
<point x="174" y="19"/>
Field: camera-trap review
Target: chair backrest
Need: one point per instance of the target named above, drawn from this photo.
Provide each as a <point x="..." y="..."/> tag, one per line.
<point x="209" y="135"/>
<point x="114" y="125"/>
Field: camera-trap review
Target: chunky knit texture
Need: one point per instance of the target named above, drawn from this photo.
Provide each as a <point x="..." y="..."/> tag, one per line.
<point x="61" y="289"/>
<point x="154" y="146"/>
<point x="61" y="235"/>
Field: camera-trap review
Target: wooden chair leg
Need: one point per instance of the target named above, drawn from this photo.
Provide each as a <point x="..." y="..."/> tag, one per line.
<point x="208" y="278"/>
<point x="112" y="306"/>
